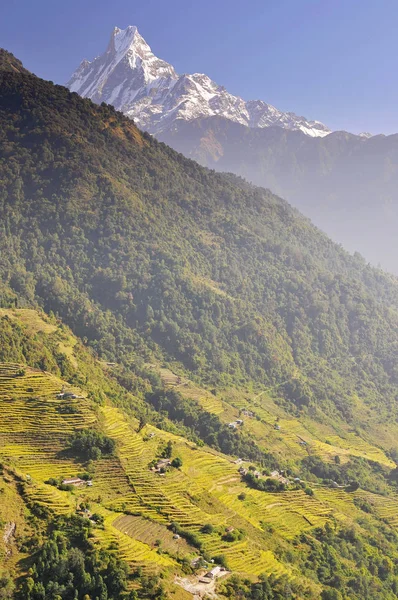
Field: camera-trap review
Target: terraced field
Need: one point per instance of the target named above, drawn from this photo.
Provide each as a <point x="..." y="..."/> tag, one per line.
<point x="51" y="498"/>
<point x="351" y="445"/>
<point x="206" y="490"/>
<point x="290" y="512"/>
<point x="33" y="429"/>
<point x="179" y="496"/>
<point x="111" y="482"/>
<point x="340" y="502"/>
<point x="325" y="440"/>
<point x="381" y="507"/>
<point x="244" y="557"/>
<point x="209" y="402"/>
<point x="163" y="499"/>
<point x="384" y="507"/>
<point x="133" y="551"/>
<point x="149" y="532"/>
<point x="26" y="384"/>
<point x="295" y="438"/>
<point x="138" y="504"/>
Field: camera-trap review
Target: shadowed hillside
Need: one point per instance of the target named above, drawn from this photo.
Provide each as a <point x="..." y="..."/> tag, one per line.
<point x="345" y="183"/>
<point x="8" y="62"/>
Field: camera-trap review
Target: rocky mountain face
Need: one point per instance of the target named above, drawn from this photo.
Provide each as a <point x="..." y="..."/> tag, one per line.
<point x="147" y="89"/>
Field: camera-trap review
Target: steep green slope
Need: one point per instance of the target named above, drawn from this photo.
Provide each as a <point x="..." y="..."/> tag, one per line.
<point x="139" y="248"/>
<point x="117" y="535"/>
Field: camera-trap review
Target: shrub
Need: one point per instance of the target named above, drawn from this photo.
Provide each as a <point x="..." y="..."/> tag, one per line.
<point x="91" y="445"/>
<point x="233" y="536"/>
<point x="67" y="409"/>
<point x="99" y="519"/>
<point x="52" y="481"/>
<point x="167" y="452"/>
<point x="65" y="488"/>
<point x="264" y="485"/>
<point x="353" y="486"/>
<point x="221" y="560"/>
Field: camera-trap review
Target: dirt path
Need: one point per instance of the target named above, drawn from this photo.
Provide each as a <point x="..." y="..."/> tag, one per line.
<point x="9" y="532"/>
<point x="200" y="587"/>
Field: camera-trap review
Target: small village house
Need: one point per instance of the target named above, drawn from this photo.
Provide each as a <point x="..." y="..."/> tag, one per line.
<point x="75" y="481"/>
<point x="214" y="573"/>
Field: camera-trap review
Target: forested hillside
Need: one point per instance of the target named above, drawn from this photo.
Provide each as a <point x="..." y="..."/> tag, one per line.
<point x="345" y="183"/>
<point x="8" y="62"/>
<point x="138" y="248"/>
<point x="231" y="392"/>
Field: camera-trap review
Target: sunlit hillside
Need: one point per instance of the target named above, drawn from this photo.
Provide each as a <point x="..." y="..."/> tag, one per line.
<point x="204" y="498"/>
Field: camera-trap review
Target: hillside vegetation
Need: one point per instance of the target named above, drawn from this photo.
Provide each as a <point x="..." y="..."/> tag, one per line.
<point x="212" y="328"/>
<point x="126" y="517"/>
<point x="138" y="248"/>
<point x="345" y="183"/>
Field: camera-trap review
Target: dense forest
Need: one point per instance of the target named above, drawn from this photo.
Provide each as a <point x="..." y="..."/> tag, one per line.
<point x="141" y="250"/>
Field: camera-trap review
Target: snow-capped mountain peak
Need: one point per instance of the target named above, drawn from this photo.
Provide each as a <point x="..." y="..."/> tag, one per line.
<point x="125" y="40"/>
<point x="148" y="89"/>
<point x="127" y="67"/>
<point x="129" y="44"/>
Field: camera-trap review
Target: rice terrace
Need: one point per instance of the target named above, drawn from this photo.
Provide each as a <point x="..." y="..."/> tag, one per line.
<point x="137" y="510"/>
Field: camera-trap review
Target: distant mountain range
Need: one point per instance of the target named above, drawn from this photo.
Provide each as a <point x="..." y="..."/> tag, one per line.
<point x="345" y="183"/>
<point x="148" y="90"/>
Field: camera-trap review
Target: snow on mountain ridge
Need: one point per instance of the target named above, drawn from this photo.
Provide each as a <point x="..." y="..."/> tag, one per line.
<point x="148" y="90"/>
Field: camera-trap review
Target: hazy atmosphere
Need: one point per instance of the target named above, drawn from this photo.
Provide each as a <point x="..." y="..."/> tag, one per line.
<point x="198" y="301"/>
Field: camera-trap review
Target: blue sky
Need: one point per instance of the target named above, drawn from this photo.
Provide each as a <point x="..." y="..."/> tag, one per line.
<point x="331" y="60"/>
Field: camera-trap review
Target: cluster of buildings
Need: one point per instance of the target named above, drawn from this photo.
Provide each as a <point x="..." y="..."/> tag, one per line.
<point x="247" y="413"/>
<point x="244" y="471"/>
<point x="68" y="395"/>
<point x="214" y="574"/>
<point x="280" y="476"/>
<point x="161" y="465"/>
